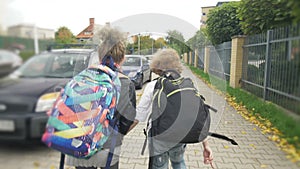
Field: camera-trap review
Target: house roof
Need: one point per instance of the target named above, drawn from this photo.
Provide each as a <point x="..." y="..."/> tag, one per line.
<point x="88" y="31"/>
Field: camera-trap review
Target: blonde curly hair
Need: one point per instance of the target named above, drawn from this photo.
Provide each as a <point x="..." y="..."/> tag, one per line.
<point x="111" y="43"/>
<point x="166" y="59"/>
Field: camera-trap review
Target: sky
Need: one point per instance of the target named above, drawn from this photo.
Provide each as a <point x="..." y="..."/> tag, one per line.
<point x="75" y="14"/>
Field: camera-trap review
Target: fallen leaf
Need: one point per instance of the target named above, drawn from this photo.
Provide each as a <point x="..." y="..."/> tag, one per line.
<point x="36" y="164"/>
<point x="263" y="166"/>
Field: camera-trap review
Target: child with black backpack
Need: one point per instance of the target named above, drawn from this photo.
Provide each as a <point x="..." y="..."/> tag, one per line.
<point x="164" y="146"/>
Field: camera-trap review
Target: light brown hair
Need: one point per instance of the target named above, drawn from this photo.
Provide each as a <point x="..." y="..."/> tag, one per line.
<point x="111" y="43"/>
<point x="166" y="59"/>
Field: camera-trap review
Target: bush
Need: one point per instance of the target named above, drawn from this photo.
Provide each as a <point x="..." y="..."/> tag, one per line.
<point x="26" y="55"/>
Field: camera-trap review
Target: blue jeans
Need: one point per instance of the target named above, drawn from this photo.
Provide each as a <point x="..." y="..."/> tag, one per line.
<point x="175" y="155"/>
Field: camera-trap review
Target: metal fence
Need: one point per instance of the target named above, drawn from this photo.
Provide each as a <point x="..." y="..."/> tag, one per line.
<point x="6" y="42"/>
<point x="201" y="56"/>
<point x="271" y="67"/>
<point x="219" y="63"/>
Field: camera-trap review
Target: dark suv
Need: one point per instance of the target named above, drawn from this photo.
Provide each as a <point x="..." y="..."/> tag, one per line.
<point x="30" y="91"/>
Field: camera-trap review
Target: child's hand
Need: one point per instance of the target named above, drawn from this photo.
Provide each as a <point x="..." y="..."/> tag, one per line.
<point x="207" y="155"/>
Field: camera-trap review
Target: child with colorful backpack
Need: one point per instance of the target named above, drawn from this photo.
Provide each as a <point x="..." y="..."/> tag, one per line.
<point x="88" y="121"/>
<point x="113" y="47"/>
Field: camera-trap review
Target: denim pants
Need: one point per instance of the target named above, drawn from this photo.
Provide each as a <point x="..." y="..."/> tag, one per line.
<point x="175" y="155"/>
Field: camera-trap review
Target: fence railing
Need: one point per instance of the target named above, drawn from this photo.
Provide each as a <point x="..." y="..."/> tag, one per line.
<point x="267" y="64"/>
<point x="219" y="64"/>
<point x="6" y="42"/>
<point x="272" y="68"/>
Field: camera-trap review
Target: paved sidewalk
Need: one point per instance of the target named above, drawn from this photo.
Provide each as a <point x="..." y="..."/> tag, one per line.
<point x="254" y="149"/>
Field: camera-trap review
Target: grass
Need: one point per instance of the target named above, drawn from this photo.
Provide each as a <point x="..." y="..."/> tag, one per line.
<point x="259" y="109"/>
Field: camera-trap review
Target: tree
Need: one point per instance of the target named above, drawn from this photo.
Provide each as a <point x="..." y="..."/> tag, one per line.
<point x="260" y="15"/>
<point x="176" y="41"/>
<point x="197" y="41"/>
<point x="64" y="36"/>
<point x="295" y="6"/>
<point x="160" y="43"/>
<point x="223" y="23"/>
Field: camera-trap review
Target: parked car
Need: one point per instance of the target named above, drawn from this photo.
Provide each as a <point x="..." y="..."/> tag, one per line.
<point x="30" y="91"/>
<point x="137" y="68"/>
<point x="149" y="58"/>
<point x="9" y="61"/>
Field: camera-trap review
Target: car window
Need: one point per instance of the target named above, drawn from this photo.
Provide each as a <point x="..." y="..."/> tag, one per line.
<point x="132" y="61"/>
<point x="94" y="59"/>
<point x="54" y="65"/>
<point x="145" y="61"/>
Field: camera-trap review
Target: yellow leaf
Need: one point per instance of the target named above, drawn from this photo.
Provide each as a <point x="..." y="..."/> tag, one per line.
<point x="252" y="145"/>
<point x="243" y="132"/>
<point x="52" y="167"/>
<point x="275" y="138"/>
<point x="263" y="166"/>
<point x="226" y="147"/>
<point x="269" y="124"/>
<point x="36" y="164"/>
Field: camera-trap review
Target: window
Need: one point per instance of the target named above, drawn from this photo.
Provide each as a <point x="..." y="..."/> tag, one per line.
<point x="87" y="33"/>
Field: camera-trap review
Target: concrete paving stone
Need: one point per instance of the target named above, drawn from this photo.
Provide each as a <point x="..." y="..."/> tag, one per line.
<point x="141" y="161"/>
<point x="225" y="165"/>
<point x="218" y="159"/>
<point x="273" y="156"/>
<point x="268" y="161"/>
<point x="124" y="160"/>
<point x="192" y="164"/>
<point x="248" y="160"/>
<point x="236" y="155"/>
<point x="225" y="148"/>
<point x="286" y="163"/>
<point x="202" y="165"/>
<point x="138" y="166"/>
<point x="231" y="160"/>
<point x="193" y="157"/>
<point x="254" y="156"/>
<point x="127" y="166"/>
<point x="257" y="151"/>
<point x="256" y="166"/>
<point x="244" y="166"/>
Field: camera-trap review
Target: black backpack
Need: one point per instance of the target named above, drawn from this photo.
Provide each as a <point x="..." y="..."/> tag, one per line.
<point x="179" y="113"/>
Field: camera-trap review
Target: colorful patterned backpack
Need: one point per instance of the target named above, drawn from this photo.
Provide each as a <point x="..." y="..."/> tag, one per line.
<point x="83" y="117"/>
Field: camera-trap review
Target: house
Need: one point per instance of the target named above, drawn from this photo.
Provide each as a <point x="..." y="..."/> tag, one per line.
<point x="27" y="31"/>
<point x="87" y="33"/>
<point x="205" y="11"/>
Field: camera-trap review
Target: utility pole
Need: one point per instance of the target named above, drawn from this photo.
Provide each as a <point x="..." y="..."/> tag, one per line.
<point x="35" y="39"/>
<point x="139" y="44"/>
